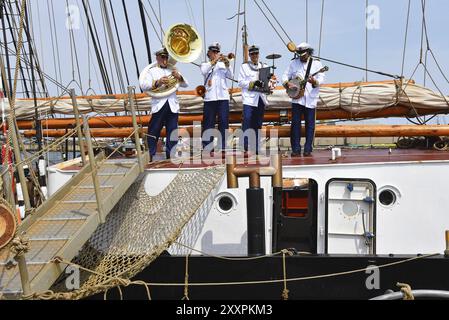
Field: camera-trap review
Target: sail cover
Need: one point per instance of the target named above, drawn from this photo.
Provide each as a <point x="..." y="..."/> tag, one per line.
<point x="354" y="98"/>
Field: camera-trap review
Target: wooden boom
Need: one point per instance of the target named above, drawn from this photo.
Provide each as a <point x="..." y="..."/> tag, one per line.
<point x="284" y="131"/>
<point x="234" y="117"/>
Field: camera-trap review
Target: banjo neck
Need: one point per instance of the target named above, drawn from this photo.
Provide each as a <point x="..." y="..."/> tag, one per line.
<point x="324" y="69"/>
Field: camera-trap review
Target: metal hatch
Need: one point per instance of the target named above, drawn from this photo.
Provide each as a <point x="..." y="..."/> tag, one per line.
<point x="350" y="216"/>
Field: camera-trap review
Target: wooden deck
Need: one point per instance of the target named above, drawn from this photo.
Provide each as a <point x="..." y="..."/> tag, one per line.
<point x="320" y="157"/>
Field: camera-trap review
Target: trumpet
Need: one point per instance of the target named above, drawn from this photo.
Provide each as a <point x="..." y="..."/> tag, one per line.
<point x="226" y="59"/>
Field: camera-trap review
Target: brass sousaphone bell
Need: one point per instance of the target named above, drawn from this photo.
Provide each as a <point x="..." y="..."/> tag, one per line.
<point x="183" y="44"/>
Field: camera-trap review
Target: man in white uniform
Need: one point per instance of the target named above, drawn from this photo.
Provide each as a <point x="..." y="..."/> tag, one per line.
<point x="307" y="104"/>
<point x="216" y="100"/>
<point x="164" y="111"/>
<point x="254" y="101"/>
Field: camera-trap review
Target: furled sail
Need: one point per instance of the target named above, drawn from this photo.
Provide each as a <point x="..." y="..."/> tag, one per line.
<point x="354" y="98"/>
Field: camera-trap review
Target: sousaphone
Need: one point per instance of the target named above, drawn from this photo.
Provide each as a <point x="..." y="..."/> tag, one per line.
<point x="183" y="44"/>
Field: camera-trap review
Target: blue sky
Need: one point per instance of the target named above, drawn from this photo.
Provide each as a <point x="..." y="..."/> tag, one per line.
<point x="343" y="35"/>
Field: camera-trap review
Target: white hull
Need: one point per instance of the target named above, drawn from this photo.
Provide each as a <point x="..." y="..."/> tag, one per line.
<point x="414" y="224"/>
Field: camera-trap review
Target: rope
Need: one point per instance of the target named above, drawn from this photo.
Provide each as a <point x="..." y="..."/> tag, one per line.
<point x="160" y="16"/>
<point x="186" y="280"/>
<point x="91" y="26"/>
<point x="11" y="116"/>
<point x="274" y="17"/>
<point x="20" y="246"/>
<point x="321" y="26"/>
<point x="204" y="30"/>
<point x="359" y="68"/>
<point x="108" y="45"/>
<point x="48" y="295"/>
<point x="366" y="38"/>
<point x="438" y="66"/>
<point x="13" y="27"/>
<point x="125" y="10"/>
<point x="46" y="76"/>
<point x="406" y="37"/>
<point x="285" y="292"/>
<point x="307" y="20"/>
<point x="49" y="147"/>
<point x="406" y="291"/>
<point x="56" y="41"/>
<point x="154" y="27"/>
<point x="119" y="41"/>
<point x="158" y="19"/>
<point x="74" y="52"/>
<point x="145" y="31"/>
<point x="234" y="259"/>
<point x="190" y="13"/>
<point x="109" y="32"/>
<point x="269" y="21"/>
<point x="236" y="46"/>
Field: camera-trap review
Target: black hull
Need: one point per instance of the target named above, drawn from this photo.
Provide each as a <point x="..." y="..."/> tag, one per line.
<point x="424" y="273"/>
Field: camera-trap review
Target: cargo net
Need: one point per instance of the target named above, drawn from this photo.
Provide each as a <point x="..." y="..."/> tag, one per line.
<point x="137" y="231"/>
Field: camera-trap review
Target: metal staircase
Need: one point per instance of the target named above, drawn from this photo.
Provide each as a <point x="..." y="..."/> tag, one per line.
<point x="61" y="226"/>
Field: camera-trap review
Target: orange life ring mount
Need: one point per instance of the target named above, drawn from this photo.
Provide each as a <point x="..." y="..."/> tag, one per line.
<point x="8" y="225"/>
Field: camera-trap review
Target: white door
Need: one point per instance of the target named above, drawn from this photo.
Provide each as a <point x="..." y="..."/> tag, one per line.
<point x="351" y="217"/>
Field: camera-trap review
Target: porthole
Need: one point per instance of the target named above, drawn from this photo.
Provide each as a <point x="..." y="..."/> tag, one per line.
<point x="226" y="203"/>
<point x="387" y="198"/>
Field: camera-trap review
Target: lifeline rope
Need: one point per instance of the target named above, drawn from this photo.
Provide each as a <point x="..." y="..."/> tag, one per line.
<point x="186" y="280"/>
<point x="285" y="292"/>
<point x="50" y="295"/>
<point x="235" y="259"/>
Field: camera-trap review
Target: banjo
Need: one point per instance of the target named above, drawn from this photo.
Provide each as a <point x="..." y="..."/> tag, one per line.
<point x="299" y="84"/>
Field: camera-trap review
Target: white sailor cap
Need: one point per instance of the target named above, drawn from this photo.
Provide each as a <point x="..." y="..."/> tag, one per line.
<point x="254" y="49"/>
<point x="303" y="48"/>
<point x="162" y="52"/>
<point x="215" y="46"/>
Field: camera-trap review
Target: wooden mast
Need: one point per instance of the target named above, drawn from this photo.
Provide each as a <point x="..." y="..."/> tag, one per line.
<point x="245" y="36"/>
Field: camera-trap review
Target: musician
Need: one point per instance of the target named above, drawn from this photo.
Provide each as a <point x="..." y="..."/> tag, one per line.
<point x="307" y="104"/>
<point x="254" y="102"/>
<point x="216" y="100"/>
<point x="164" y="111"/>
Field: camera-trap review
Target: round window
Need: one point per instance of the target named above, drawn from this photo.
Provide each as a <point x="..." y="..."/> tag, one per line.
<point x="387" y="198"/>
<point x="225" y="203"/>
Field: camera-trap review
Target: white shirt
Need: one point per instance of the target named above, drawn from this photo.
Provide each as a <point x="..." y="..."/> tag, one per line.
<point x="246" y="76"/>
<point x="217" y="76"/>
<point x="311" y="94"/>
<point x="149" y="76"/>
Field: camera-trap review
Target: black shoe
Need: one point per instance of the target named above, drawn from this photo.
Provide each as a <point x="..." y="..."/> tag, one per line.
<point x="296" y="154"/>
<point x="307" y="154"/>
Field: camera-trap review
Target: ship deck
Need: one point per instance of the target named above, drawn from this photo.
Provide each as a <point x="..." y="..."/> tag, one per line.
<point x="319" y="157"/>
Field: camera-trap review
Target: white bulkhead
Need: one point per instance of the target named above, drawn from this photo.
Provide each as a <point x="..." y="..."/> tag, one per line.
<point x="393" y="208"/>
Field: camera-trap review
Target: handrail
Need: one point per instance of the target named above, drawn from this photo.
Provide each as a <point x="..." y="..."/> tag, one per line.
<point x="427" y="294"/>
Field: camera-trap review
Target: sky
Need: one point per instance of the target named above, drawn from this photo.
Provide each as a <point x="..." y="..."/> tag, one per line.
<point x="343" y="36"/>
